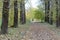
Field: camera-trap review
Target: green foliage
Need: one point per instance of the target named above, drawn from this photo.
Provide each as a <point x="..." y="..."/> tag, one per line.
<point x="30" y="13"/>
<point x="38" y="14"/>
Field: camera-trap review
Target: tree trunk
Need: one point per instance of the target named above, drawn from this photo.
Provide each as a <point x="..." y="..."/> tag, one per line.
<point x="51" y="13"/>
<point x="22" y="12"/>
<point x="48" y="9"/>
<point x="15" y="14"/>
<point x="50" y="18"/>
<point x="59" y="12"/>
<point x="45" y="11"/>
<point x="57" y="19"/>
<point x="5" y="15"/>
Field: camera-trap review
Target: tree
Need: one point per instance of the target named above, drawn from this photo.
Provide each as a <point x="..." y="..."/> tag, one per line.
<point x="15" y="14"/>
<point x="22" y="12"/>
<point x="57" y="13"/>
<point x="5" y="15"/>
<point x="50" y="18"/>
<point x="57" y="19"/>
<point x="51" y="13"/>
<point x="47" y="9"/>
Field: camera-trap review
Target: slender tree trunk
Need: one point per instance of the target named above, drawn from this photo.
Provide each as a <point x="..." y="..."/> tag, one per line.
<point x="57" y="19"/>
<point x="5" y="15"/>
<point x="15" y="14"/>
<point x="48" y="9"/>
<point x="22" y="12"/>
<point x="45" y="11"/>
<point x="59" y="12"/>
<point x="51" y="14"/>
<point x="50" y="18"/>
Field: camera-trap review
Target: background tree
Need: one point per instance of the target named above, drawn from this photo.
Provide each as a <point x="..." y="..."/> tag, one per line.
<point x="22" y="12"/>
<point x="57" y="19"/>
<point x="15" y="13"/>
<point x="57" y="13"/>
<point x="51" y="13"/>
<point x="47" y="9"/>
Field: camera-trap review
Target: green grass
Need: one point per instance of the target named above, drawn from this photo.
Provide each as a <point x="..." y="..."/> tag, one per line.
<point x="24" y="27"/>
<point x="17" y="31"/>
<point x="54" y="28"/>
<point x="13" y="32"/>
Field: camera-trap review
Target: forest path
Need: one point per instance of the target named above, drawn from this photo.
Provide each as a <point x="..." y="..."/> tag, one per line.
<point x="39" y="31"/>
<point x="33" y="31"/>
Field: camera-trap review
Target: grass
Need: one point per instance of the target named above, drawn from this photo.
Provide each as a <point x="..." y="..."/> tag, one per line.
<point x="20" y="28"/>
<point x="54" y="28"/>
<point x="13" y="32"/>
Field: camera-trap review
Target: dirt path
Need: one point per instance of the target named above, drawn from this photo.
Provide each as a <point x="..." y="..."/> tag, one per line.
<point x="40" y="32"/>
<point x="36" y="31"/>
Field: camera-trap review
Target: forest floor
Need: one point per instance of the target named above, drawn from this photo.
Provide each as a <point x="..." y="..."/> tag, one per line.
<point x="33" y="31"/>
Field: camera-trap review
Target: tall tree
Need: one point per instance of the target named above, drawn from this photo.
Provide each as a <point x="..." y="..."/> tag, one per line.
<point x="57" y="13"/>
<point x="47" y="9"/>
<point x="51" y="18"/>
<point x="15" y="13"/>
<point x="51" y="13"/>
<point x="57" y="19"/>
<point x="22" y="12"/>
<point x="5" y="15"/>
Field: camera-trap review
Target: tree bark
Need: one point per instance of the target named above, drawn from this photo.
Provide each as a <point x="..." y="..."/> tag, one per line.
<point x="47" y="9"/>
<point x="22" y="12"/>
<point x="59" y="12"/>
<point x="15" y="14"/>
<point x="51" y="13"/>
<point x="5" y="15"/>
<point x="50" y="18"/>
<point x="57" y="19"/>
